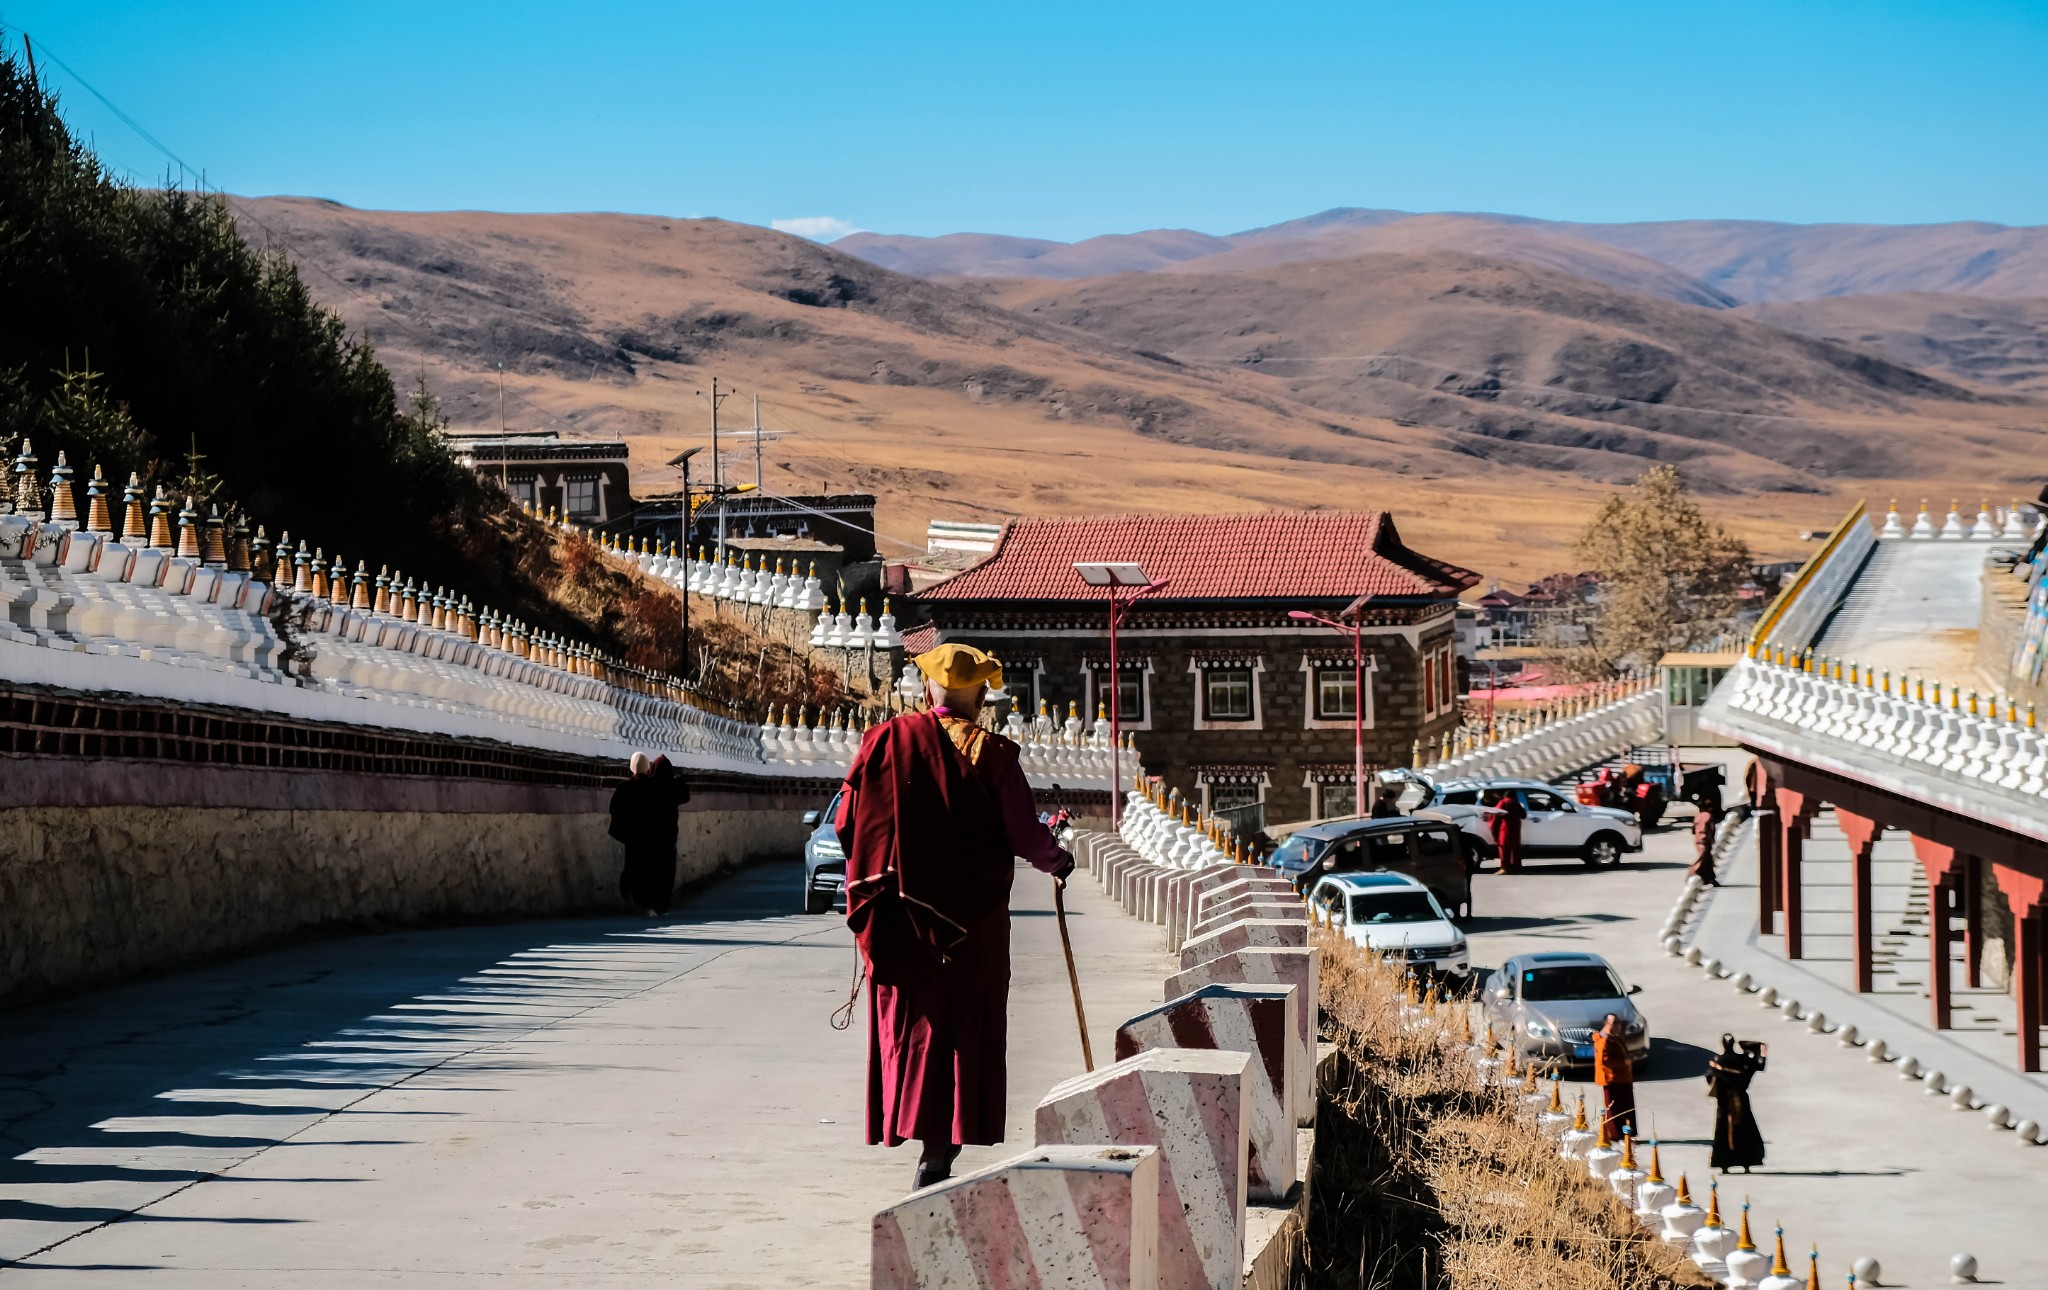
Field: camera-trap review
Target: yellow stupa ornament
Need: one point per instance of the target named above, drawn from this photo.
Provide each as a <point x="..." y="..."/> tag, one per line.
<point x="1778" y="1266"/>
<point x="1579" y="1124"/>
<point x="1713" y="1202"/>
<point x="1556" y="1106"/>
<point x="1656" y="1165"/>
<point x="1684" y="1192"/>
<point x="1743" y="1240"/>
<point x="1628" y="1147"/>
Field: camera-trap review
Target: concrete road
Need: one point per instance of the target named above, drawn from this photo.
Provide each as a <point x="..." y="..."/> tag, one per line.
<point x="1859" y="1162"/>
<point x="592" y="1102"/>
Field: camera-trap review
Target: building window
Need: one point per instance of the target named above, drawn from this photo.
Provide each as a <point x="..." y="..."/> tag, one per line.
<point x="1429" y="684"/>
<point x="1337" y="800"/>
<point x="1227" y="693"/>
<point x="522" y="488"/>
<point x="582" y="497"/>
<point x="1235" y="794"/>
<point x="1446" y="688"/>
<point x="1336" y="694"/>
<point x="1133" y="695"/>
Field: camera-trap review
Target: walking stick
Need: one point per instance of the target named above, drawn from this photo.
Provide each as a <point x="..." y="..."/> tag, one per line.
<point x="1059" y="906"/>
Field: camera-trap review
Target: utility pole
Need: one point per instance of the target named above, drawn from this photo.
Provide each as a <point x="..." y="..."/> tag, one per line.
<point x="715" y="398"/>
<point x="757" y="443"/>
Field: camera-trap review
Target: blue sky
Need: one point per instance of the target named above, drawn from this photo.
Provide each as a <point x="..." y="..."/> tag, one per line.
<point x="1062" y="121"/>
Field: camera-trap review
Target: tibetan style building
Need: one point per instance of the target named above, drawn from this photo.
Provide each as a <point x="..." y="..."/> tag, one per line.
<point x="1232" y="702"/>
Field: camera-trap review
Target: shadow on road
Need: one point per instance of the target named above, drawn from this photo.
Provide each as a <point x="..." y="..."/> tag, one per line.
<point x="113" y="1101"/>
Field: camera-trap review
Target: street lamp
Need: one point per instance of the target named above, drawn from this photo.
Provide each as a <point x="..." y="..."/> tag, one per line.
<point x="681" y="461"/>
<point x="1132" y="579"/>
<point x="1355" y="612"/>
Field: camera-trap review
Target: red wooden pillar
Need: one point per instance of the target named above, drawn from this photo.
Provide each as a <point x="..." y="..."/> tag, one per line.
<point x="2023" y="891"/>
<point x="1973" y="924"/>
<point x="1795" y="813"/>
<point x="1944" y="870"/>
<point x="1862" y="833"/>
<point x="1764" y="807"/>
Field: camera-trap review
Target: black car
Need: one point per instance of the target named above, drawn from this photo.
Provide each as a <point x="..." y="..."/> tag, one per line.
<point x="824" y="861"/>
<point x="1427" y="848"/>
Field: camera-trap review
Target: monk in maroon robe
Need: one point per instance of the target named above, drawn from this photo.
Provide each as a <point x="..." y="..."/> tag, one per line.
<point x="934" y="810"/>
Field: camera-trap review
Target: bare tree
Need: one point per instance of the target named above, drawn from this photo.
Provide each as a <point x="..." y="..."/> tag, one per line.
<point x="1670" y="578"/>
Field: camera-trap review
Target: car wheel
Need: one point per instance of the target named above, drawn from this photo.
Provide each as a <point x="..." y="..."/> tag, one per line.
<point x="1602" y="849"/>
<point x="815" y="901"/>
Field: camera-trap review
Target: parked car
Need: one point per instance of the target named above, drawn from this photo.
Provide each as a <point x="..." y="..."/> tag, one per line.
<point x="824" y="861"/>
<point x="1556" y="825"/>
<point x="1428" y="849"/>
<point x="1394" y="915"/>
<point x="1548" y="1005"/>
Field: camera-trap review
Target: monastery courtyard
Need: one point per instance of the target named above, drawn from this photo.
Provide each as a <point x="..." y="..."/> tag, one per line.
<point x="619" y="1103"/>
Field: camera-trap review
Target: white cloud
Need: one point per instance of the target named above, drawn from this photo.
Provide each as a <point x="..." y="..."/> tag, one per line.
<point x="818" y="228"/>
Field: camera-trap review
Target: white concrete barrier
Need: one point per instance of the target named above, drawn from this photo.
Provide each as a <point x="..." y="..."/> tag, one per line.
<point x="1245" y="934"/>
<point x="1215" y="900"/>
<point x="1182" y="915"/>
<point x="1300" y="968"/>
<point x="1192" y="1105"/>
<point x="1258" y="1020"/>
<point x="1263" y="909"/>
<point x="1078" y="1217"/>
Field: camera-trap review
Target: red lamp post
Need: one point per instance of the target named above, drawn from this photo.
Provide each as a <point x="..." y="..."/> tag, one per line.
<point x="1354" y="612"/>
<point x="1131" y="579"/>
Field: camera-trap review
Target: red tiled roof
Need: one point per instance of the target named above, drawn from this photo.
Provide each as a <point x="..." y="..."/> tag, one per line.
<point x="1210" y="557"/>
<point x="919" y="639"/>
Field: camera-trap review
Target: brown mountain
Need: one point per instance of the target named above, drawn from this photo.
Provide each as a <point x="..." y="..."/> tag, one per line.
<point x="1526" y="365"/>
<point x="1448" y="387"/>
<point x="1999" y="342"/>
<point x="1731" y="260"/>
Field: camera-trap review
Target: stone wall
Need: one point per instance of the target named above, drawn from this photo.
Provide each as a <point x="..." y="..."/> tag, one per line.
<point x="95" y="894"/>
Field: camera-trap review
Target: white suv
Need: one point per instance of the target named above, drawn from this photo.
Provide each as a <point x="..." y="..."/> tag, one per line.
<point x="1393" y="915"/>
<point x="1556" y="825"/>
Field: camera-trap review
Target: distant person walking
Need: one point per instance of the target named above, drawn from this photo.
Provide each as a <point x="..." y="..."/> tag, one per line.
<point x="1615" y="1072"/>
<point x="1705" y="823"/>
<point x="644" y="821"/>
<point x="1738" y="1143"/>
<point x="1505" y="812"/>
<point x="1383" y="807"/>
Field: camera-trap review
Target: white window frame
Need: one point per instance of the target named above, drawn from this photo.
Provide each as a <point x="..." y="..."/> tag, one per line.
<point x="1199" y="669"/>
<point x="1089" y="688"/>
<point x="1203" y="785"/>
<point x="570" y="483"/>
<point x="1310" y="665"/>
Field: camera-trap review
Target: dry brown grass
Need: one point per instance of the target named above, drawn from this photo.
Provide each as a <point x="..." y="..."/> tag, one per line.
<point x="1424" y="1180"/>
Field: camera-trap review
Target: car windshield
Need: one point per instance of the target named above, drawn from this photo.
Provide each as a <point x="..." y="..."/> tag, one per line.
<point x="1292" y="854"/>
<point x="1394" y="907"/>
<point x="1579" y="981"/>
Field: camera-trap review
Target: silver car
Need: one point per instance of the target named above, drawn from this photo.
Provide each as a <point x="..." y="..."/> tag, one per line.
<point x="1548" y="1005"/>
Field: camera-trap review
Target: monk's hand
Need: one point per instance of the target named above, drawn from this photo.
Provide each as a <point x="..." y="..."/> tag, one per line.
<point x="1065" y="871"/>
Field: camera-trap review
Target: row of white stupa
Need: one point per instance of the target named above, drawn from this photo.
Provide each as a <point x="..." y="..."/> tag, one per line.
<point x="178" y="590"/>
<point x="2002" y="523"/>
<point x="1049" y="751"/>
<point x="739" y="581"/>
<point x="1980" y="740"/>
<point x="1166" y="836"/>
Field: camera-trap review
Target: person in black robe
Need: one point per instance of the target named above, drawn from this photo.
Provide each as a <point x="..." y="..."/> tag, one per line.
<point x="644" y="821"/>
<point x="1738" y="1143"/>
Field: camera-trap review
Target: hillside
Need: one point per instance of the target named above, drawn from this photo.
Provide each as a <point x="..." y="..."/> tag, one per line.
<point x="1729" y="260"/>
<point x="1531" y="367"/>
<point x="946" y="403"/>
<point x="1999" y="343"/>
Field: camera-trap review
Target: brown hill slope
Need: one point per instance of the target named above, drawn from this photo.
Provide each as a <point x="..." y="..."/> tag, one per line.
<point x="944" y="404"/>
<point x="1743" y="260"/>
<point x="1532" y="367"/>
<point x="2000" y="343"/>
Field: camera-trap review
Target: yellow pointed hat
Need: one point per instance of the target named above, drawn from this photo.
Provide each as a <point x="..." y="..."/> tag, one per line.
<point x="960" y="667"/>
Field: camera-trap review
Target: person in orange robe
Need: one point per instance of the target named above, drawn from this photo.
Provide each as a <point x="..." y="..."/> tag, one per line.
<point x="1615" y="1072"/>
<point x="934" y="811"/>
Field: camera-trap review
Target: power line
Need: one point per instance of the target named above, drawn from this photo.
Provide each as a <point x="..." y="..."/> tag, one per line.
<point x="299" y="257"/>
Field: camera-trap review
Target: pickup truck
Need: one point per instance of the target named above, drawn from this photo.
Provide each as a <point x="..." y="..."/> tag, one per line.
<point x="1556" y="825"/>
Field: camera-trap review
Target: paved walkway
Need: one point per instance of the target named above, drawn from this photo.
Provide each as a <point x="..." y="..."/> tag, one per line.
<point x="1858" y="1163"/>
<point x="594" y="1102"/>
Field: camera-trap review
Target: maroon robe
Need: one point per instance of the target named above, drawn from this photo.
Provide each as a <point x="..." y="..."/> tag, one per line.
<point x="929" y="863"/>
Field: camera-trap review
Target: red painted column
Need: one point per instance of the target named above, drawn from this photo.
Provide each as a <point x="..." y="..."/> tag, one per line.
<point x="2026" y="986"/>
<point x="1938" y="938"/>
<point x="1794" y="813"/>
<point x="1764" y="806"/>
<point x="2024" y="892"/>
<point x="1862" y="833"/>
<point x="1945" y="872"/>
<point x="1973" y="925"/>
